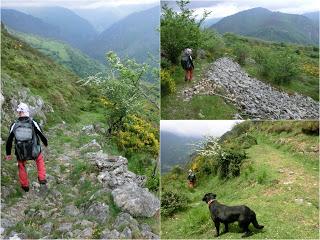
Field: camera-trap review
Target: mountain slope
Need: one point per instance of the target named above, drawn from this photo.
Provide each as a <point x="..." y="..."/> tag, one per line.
<point x="134" y="36"/>
<point x="175" y="150"/>
<point x="314" y="16"/>
<point x="103" y="17"/>
<point x="26" y="23"/>
<point x="25" y="71"/>
<point x="62" y="53"/>
<point x="272" y="26"/>
<point x="71" y="28"/>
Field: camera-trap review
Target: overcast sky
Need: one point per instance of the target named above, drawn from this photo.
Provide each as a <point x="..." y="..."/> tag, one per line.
<point x="75" y="4"/>
<point x="198" y="128"/>
<point x="228" y="7"/>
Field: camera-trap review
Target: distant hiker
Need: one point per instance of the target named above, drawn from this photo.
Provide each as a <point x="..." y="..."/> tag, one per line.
<point x="187" y="64"/>
<point x="26" y="133"/>
<point x="191" y="179"/>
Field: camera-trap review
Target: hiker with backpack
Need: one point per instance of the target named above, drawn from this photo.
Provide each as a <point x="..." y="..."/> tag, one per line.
<point x="191" y="179"/>
<point x="26" y="133"/>
<point x="187" y="64"/>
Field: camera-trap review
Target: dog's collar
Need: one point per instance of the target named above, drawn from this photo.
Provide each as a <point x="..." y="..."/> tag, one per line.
<point x="211" y="201"/>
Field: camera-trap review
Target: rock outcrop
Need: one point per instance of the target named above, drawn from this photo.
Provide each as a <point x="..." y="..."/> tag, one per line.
<point x="127" y="187"/>
<point x="137" y="201"/>
<point x="114" y="170"/>
<point x="253" y="98"/>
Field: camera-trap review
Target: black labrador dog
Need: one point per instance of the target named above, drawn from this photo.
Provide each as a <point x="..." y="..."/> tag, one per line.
<point x="224" y="214"/>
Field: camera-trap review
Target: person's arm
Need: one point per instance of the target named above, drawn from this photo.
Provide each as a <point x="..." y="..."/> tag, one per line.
<point x="10" y="140"/>
<point x="191" y="62"/>
<point x="38" y="131"/>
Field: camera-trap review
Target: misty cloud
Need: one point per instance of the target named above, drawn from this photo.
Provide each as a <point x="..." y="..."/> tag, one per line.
<point x="198" y="128"/>
<point x="74" y="4"/>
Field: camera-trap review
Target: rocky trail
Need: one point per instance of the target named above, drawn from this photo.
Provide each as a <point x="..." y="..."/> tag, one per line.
<point x="90" y="195"/>
<point x="253" y="98"/>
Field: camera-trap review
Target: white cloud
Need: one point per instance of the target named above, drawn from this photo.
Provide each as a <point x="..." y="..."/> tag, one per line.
<point x="198" y="128"/>
<point x="90" y="4"/>
<point x="228" y="7"/>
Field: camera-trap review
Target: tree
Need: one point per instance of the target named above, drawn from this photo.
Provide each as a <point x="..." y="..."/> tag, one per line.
<point x="179" y="30"/>
<point x="123" y="90"/>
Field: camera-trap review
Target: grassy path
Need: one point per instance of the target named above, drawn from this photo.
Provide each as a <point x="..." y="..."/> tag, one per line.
<point x="277" y="185"/>
<point x="200" y="107"/>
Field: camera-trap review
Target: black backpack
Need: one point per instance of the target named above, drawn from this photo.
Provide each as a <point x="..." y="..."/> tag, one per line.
<point x="185" y="62"/>
<point x="27" y="145"/>
<point x="192" y="177"/>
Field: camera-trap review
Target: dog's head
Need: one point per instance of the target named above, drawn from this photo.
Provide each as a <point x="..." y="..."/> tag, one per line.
<point x="209" y="196"/>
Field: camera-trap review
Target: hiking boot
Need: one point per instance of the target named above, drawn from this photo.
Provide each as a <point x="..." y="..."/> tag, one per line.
<point x="25" y="188"/>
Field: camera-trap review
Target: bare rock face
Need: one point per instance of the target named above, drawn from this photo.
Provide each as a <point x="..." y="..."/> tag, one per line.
<point x="38" y="107"/>
<point x="136" y="200"/>
<point x="254" y="99"/>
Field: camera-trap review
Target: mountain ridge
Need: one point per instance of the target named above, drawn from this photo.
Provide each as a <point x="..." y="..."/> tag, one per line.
<point x="272" y="26"/>
<point x="129" y="33"/>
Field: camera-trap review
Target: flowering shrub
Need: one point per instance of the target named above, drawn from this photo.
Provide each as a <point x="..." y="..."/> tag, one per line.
<point x="138" y="135"/>
<point x="311" y="70"/>
<point x="215" y="159"/>
<point x="168" y="86"/>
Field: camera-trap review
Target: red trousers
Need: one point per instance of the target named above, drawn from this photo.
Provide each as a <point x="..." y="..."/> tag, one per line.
<point x="188" y="76"/>
<point x="23" y="175"/>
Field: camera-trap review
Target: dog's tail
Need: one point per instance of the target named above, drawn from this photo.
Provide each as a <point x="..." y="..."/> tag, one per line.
<point x="255" y="222"/>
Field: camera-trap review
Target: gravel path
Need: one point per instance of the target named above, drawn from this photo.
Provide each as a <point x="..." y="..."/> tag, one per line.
<point x="254" y="99"/>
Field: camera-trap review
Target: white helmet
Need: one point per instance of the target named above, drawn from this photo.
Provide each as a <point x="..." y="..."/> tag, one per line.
<point x="22" y="107"/>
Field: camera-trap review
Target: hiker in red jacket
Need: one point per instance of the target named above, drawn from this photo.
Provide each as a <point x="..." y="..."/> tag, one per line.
<point x="26" y="132"/>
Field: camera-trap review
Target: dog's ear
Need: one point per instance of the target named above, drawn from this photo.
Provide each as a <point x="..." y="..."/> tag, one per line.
<point x="205" y="197"/>
<point x="214" y="196"/>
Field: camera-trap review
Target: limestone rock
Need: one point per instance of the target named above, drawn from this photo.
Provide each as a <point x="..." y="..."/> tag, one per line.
<point x="136" y="200"/>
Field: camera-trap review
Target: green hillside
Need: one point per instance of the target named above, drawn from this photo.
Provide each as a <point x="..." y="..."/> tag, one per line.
<point x="23" y="66"/>
<point x="62" y="53"/>
<point x="278" y="179"/>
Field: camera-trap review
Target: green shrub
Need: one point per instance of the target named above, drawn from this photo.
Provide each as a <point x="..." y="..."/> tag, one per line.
<point x="279" y="128"/>
<point x="245" y="141"/>
<point x="153" y="180"/>
<point x="311" y="128"/>
<point x="179" y="30"/>
<point x="172" y="202"/>
<point x="241" y="51"/>
<point x="279" y="67"/>
<point x="165" y="63"/>
<point x="168" y="85"/>
<point x="213" y="44"/>
<point x="230" y="161"/>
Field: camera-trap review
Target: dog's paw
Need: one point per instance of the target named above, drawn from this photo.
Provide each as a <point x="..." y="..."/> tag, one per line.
<point x="247" y="234"/>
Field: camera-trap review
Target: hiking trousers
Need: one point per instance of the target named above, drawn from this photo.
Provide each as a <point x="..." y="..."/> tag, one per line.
<point x="188" y="74"/>
<point x="23" y="175"/>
